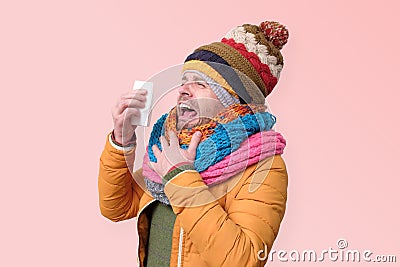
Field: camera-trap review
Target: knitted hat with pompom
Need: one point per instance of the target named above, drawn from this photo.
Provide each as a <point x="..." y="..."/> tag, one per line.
<point x="245" y="65"/>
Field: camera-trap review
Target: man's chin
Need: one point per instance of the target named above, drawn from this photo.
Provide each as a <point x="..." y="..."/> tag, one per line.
<point x="186" y="124"/>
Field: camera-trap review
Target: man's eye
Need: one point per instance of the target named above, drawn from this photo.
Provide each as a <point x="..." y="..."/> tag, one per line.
<point x="202" y="84"/>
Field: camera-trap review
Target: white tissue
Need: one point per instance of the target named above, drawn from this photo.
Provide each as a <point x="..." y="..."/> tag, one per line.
<point x="143" y="118"/>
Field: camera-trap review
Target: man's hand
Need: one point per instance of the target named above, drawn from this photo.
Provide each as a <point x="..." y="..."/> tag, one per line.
<point x="127" y="106"/>
<point x="172" y="155"/>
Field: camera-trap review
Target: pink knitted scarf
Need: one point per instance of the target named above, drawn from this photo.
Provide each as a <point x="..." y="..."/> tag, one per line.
<point x="256" y="148"/>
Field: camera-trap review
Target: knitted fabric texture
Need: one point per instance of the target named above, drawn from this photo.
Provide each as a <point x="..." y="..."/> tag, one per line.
<point x="257" y="147"/>
<point x="230" y="143"/>
<point x="253" y="51"/>
<point x="185" y="135"/>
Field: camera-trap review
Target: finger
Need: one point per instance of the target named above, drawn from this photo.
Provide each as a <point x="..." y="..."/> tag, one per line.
<point x="173" y="139"/>
<point x="156" y="151"/>
<point x="196" y="138"/>
<point x="135" y="103"/>
<point x="132" y="93"/>
<point x="124" y="104"/>
<point x="164" y="143"/>
<point x="152" y="166"/>
<point x="125" y="98"/>
<point x="130" y="112"/>
<point x="134" y="96"/>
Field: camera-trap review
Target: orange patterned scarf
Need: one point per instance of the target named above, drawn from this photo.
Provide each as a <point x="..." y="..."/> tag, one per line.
<point x="226" y="115"/>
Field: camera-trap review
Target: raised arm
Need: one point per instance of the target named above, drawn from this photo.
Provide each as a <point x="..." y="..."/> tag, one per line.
<point x="119" y="194"/>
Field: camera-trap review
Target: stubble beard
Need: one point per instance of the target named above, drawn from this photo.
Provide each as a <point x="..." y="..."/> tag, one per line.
<point x="180" y="125"/>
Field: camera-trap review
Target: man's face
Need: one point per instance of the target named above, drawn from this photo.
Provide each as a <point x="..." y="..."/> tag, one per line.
<point x="197" y="103"/>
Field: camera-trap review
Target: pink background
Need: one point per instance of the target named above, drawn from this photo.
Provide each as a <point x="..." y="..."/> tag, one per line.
<point x="64" y="63"/>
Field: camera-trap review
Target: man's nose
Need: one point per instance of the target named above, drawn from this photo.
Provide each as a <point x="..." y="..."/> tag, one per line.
<point x="186" y="89"/>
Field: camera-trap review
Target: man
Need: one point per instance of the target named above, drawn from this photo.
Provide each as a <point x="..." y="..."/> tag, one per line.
<point x="212" y="188"/>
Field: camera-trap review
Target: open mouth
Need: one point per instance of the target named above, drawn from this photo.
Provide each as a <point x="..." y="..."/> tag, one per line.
<point x="186" y="111"/>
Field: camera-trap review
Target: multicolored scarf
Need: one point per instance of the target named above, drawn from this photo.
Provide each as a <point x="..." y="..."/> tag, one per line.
<point x="237" y="137"/>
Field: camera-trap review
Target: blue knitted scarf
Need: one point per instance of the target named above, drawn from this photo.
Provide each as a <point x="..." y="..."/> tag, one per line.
<point x="225" y="140"/>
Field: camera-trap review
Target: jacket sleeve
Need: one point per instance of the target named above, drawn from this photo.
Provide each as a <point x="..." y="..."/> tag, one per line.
<point x="238" y="234"/>
<point x="119" y="194"/>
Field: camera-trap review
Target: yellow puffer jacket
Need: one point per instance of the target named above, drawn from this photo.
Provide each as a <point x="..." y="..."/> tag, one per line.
<point x="229" y="224"/>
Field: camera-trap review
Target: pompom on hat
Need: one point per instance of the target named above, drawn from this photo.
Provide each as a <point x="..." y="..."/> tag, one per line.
<point x="247" y="62"/>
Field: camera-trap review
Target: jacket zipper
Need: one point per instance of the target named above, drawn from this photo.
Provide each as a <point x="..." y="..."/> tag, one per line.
<point x="180" y="247"/>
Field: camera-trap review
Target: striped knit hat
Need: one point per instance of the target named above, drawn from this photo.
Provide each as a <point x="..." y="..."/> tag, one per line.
<point x="246" y="63"/>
